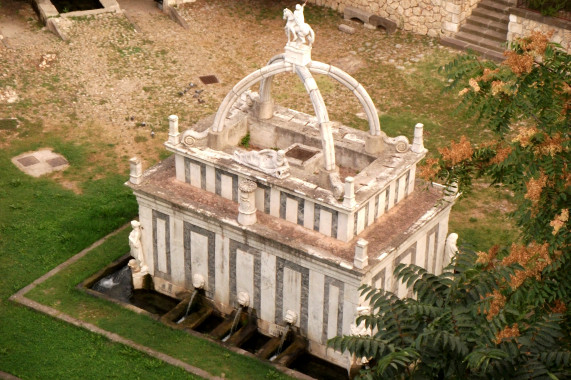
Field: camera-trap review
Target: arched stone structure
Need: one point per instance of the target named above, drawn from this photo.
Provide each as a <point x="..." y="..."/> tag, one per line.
<point x="270" y="71"/>
<point x="335" y="73"/>
<point x="299" y="61"/>
<point x="244" y="85"/>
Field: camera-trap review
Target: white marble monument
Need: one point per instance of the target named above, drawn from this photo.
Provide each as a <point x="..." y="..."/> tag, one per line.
<point x="298" y="240"/>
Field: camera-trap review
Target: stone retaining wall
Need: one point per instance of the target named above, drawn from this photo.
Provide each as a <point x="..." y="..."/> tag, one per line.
<point x="428" y="17"/>
<point x="523" y="22"/>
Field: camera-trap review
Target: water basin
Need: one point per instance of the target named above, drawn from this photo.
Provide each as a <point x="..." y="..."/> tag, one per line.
<point x="318" y="368"/>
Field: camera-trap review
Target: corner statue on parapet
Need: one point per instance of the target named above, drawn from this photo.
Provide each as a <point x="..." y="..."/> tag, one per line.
<point x="297" y="30"/>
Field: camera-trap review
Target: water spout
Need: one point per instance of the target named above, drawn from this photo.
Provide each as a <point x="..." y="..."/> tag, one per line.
<point x="290" y="318"/>
<point x="108" y="283"/>
<point x="282" y="341"/>
<point x="117" y="285"/>
<point x="198" y="283"/>
<point x="236" y="321"/>
<point x="189" y="306"/>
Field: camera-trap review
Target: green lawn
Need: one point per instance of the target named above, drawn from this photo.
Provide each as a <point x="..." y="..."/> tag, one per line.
<point x="61" y="293"/>
<point x="43" y="223"/>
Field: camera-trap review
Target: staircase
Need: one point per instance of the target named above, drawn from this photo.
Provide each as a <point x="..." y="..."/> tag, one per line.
<point x="485" y="30"/>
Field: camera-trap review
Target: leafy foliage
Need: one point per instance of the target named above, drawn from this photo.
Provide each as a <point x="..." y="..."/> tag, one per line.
<point x="453" y="330"/>
<point x="548" y="7"/>
<point x="502" y="313"/>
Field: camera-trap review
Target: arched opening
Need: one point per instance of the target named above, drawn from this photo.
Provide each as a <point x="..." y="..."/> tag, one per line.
<point x="64" y="6"/>
<point x="357" y="20"/>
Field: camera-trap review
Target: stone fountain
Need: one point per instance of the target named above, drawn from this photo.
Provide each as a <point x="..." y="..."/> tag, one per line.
<point x="280" y="222"/>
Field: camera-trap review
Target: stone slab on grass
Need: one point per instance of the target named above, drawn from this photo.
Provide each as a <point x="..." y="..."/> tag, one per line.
<point x="346" y="29"/>
<point x="40" y="162"/>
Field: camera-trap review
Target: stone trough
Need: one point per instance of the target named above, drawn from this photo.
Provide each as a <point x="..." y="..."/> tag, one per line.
<point x="52" y="17"/>
<point x="370" y="20"/>
<point x="196" y="314"/>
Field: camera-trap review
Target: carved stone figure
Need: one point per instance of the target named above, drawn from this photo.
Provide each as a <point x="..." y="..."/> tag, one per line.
<point x="361" y="329"/>
<point x="243" y="299"/>
<point x="134" y="265"/>
<point x="297" y="27"/>
<point x="198" y="281"/>
<point x="290" y="317"/>
<point x="243" y="104"/>
<point x="298" y="15"/>
<point x="451" y="248"/>
<point x="137" y="246"/>
<point x="266" y="160"/>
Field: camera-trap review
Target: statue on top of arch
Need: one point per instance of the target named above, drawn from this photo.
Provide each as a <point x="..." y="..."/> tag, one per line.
<point x="297" y="27"/>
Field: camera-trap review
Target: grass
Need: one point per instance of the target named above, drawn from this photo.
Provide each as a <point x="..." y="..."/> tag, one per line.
<point x="60" y="292"/>
<point x="140" y="138"/>
<point x="8" y="124"/>
<point x="482" y="227"/>
<point x="43" y="224"/>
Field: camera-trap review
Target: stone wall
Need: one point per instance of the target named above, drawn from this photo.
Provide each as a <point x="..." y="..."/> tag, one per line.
<point x="179" y="243"/>
<point x="427" y="17"/>
<point x="523" y="22"/>
<point x="294" y="206"/>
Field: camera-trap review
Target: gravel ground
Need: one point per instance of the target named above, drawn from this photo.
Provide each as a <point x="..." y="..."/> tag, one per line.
<point x="118" y="78"/>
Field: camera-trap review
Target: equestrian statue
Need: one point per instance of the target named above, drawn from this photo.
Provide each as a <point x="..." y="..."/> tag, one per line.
<point x="297" y="27"/>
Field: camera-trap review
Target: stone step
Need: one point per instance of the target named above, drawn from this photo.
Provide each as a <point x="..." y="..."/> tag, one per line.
<point x="480" y="41"/>
<point x="494" y="7"/>
<point x="506" y="3"/>
<point x="487" y="23"/>
<point x="463" y="45"/>
<point x="478" y="31"/>
<point x="490" y="15"/>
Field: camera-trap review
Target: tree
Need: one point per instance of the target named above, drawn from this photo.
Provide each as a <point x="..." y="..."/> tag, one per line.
<point x="501" y="313"/>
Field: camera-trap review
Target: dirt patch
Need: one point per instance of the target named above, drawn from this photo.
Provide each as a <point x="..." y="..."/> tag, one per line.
<point x="74" y="186"/>
<point x="350" y="64"/>
<point x="113" y="84"/>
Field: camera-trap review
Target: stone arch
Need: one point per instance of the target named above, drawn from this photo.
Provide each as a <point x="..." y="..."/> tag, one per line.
<point x="244" y="85"/>
<point x="269" y="71"/>
<point x="340" y="76"/>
